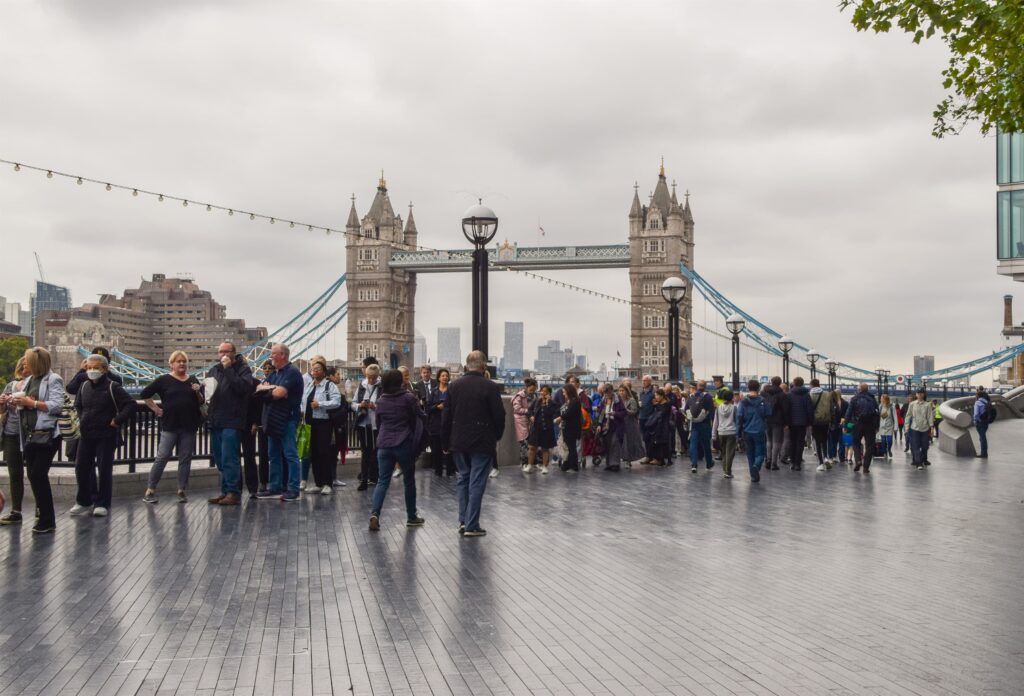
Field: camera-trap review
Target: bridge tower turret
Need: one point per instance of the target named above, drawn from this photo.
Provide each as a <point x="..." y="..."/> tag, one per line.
<point x="660" y="238"/>
<point x="381" y="299"/>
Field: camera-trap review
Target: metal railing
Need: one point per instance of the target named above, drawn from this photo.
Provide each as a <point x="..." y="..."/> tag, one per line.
<point x="142" y="434"/>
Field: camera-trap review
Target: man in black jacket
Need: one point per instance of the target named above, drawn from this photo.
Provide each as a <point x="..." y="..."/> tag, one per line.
<point x="226" y="418"/>
<point x="425" y="386"/>
<point x="801" y="417"/>
<point x="863" y="413"/>
<point x="472" y="423"/>
<point x="775" y="424"/>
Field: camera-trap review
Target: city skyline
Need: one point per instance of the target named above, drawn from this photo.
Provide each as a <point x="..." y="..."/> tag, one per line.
<point x="840" y="179"/>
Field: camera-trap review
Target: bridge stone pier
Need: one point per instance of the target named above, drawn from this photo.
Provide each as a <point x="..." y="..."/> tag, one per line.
<point x="383" y="267"/>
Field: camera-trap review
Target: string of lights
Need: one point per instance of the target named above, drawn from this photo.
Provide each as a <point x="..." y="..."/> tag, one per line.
<point x="137" y="191"/>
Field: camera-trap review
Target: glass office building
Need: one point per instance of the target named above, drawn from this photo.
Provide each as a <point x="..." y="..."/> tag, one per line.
<point x="46" y="297"/>
<point x="1010" y="204"/>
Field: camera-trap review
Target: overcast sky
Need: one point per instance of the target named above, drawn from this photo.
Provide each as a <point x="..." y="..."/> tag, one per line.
<point x="823" y="205"/>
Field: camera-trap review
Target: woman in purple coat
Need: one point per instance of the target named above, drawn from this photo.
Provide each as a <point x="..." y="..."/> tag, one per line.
<point x="400" y="429"/>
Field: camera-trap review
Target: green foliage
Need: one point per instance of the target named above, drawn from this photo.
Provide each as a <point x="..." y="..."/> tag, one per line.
<point x="11" y="349"/>
<point x="985" y="75"/>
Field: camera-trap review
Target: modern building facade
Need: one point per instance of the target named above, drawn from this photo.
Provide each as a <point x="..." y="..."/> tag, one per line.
<point x="553" y="360"/>
<point x="1010" y="204"/>
<point x="420" y="356"/>
<point x="381" y="300"/>
<point x="48" y="297"/>
<point x="512" y="354"/>
<point x="449" y="345"/>
<point x="150" y="322"/>
<point x="923" y="364"/>
<point x="660" y="238"/>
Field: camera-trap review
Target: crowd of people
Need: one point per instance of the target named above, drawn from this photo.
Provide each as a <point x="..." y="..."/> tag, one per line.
<point x="271" y="431"/>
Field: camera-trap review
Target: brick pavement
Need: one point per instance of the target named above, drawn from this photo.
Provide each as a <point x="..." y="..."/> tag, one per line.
<point x="653" y="581"/>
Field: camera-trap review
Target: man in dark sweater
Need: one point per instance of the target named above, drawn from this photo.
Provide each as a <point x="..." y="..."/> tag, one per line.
<point x="801" y="417"/>
<point x="225" y="419"/>
<point x="472" y="423"/>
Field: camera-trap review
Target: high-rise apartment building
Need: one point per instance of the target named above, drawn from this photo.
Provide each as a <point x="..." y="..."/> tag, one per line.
<point x="512" y="354"/>
<point x="48" y="297"/>
<point x="923" y="364"/>
<point x="420" y="356"/>
<point x="449" y="345"/>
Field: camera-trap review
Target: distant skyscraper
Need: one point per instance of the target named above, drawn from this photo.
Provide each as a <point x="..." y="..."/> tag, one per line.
<point x="48" y="297"/>
<point x="581" y="362"/>
<point x="553" y="360"/>
<point x="512" y="355"/>
<point x="449" y="345"/>
<point x="420" y="350"/>
<point x="924" y="363"/>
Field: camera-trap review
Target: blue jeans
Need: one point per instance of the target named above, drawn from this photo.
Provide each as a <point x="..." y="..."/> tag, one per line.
<point x="387" y="457"/>
<point x="700" y="437"/>
<point x="887" y="445"/>
<point x="757" y="448"/>
<point x="470" y="484"/>
<point x="280" y="449"/>
<point x="224" y="445"/>
<point x="918" y="446"/>
<point x="835" y="440"/>
<point x="982" y="429"/>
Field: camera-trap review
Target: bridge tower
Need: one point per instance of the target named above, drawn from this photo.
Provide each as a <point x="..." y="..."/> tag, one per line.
<point x="660" y="238"/>
<point x="382" y="300"/>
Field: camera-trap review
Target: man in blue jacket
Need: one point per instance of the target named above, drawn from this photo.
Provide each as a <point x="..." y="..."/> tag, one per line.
<point x="982" y="408"/>
<point x="700" y="411"/>
<point x="751" y="427"/>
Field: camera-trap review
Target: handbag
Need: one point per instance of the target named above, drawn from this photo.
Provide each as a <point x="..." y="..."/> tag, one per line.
<point x="39" y="438"/>
<point x="302" y="438"/>
<point x="561" y="449"/>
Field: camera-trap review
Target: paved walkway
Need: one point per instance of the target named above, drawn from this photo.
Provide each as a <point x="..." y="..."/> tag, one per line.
<point x="653" y="581"/>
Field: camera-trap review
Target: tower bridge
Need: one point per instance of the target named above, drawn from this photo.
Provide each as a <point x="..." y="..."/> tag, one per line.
<point x="382" y="274"/>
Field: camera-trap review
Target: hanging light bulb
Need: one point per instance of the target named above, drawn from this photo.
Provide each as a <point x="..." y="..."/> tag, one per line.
<point x="160" y="198"/>
<point x="184" y="204"/>
<point x="252" y="216"/>
<point x="108" y="187"/>
<point x="208" y="208"/>
<point x="310" y="228"/>
<point x="49" y="175"/>
<point x="231" y="212"/>
<point x="17" y="167"/>
<point x="291" y="224"/>
<point x="135" y="192"/>
<point x="271" y="221"/>
<point x="79" y="182"/>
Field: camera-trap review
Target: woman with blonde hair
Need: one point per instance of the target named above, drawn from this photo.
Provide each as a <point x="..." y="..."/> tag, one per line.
<point x="365" y="408"/>
<point x="39" y="403"/>
<point x="181" y="396"/>
<point x="10" y="426"/>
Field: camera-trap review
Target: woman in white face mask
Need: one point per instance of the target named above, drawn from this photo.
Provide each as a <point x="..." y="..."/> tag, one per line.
<point x="103" y="408"/>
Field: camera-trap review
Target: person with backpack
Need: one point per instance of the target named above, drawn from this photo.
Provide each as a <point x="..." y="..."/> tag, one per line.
<point x="776" y="405"/>
<point x="984" y="414"/>
<point x="320" y="398"/>
<point x="570" y="421"/>
<point x="751" y="424"/>
<point x="822" y="402"/>
<point x="104" y="407"/>
<point x="886" y="425"/>
<point x="836" y="448"/>
<point x="179" y="412"/>
<point x="724" y="430"/>
<point x="801" y="417"/>
<point x="863" y="414"/>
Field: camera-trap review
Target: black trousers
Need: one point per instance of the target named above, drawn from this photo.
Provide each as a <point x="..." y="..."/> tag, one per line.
<point x="37" y="463"/>
<point x="863" y="452"/>
<point x="819" y="431"/>
<point x="322" y="454"/>
<point x="797" y="436"/>
<point x="439" y="461"/>
<point x="15" y="470"/>
<point x="368" y="461"/>
<point x="257" y="473"/>
<point x="93" y="454"/>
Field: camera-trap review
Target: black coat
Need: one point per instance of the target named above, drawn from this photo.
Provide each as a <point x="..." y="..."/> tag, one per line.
<point x="229" y="406"/>
<point x="100" y="402"/>
<point x="474" y="417"/>
<point x="420" y="390"/>
<point x="779" y="404"/>
<point x="801" y="408"/>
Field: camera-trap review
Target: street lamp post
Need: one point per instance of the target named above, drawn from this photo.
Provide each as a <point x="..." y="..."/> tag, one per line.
<point x="735" y="324"/>
<point x="885" y="381"/>
<point x="479" y="225"/>
<point x="880" y="372"/>
<point x="674" y="291"/>
<point x="831" y="366"/>
<point x="945" y="389"/>
<point x="785" y="345"/>
<point x="812" y="357"/>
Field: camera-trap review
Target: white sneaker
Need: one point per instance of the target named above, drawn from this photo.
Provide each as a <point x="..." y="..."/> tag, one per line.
<point x="99" y="511"/>
<point x="339" y="484"/>
<point x="494" y="473"/>
<point x="544" y="470"/>
<point x="528" y="469"/>
<point x="397" y="474"/>
<point x="326" y="490"/>
<point x="303" y="487"/>
<point x="77" y="510"/>
<point x="310" y="488"/>
<point x="821" y="467"/>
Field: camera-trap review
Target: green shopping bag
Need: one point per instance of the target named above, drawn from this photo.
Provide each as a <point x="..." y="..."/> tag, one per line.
<point x="302" y="440"/>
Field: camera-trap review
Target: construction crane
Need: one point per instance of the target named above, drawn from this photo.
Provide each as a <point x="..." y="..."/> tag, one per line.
<point x="39" y="264"/>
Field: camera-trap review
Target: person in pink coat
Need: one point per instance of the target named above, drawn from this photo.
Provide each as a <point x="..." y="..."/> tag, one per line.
<point x="521" y="404"/>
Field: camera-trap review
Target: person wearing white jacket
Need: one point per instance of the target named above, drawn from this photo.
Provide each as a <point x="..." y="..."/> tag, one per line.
<point x="724" y="429"/>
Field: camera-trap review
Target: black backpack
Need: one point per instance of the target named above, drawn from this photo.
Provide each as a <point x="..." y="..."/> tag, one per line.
<point x="990" y="413"/>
